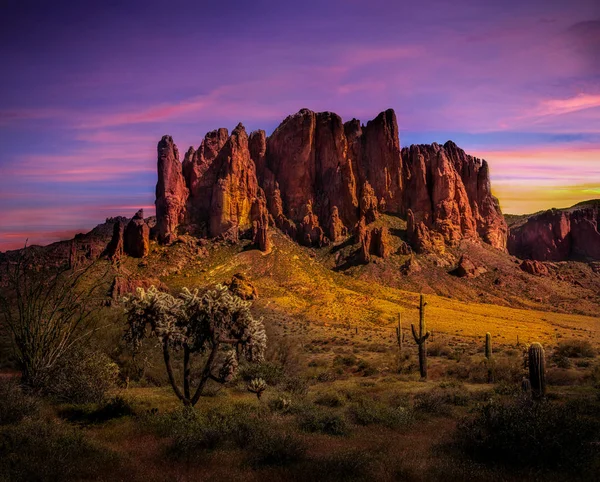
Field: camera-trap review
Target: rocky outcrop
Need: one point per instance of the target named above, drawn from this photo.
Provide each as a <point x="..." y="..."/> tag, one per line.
<point x="136" y="239"/>
<point x="260" y="223"/>
<point x="114" y="249"/>
<point x="241" y="286"/>
<point x="449" y="192"/>
<point x="467" y="268"/>
<point x="171" y="192"/>
<point x="372" y="241"/>
<point x="557" y="235"/>
<point x="320" y="177"/>
<point x="534" y="267"/>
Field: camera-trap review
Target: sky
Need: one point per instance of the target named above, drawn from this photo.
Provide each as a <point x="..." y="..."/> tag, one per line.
<point x="87" y="89"/>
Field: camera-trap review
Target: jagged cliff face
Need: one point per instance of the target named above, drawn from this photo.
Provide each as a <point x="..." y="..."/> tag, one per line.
<point x="315" y="178"/>
<point x="449" y="195"/>
<point x="557" y="235"/>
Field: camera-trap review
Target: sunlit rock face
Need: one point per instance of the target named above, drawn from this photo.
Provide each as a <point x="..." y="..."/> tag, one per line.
<point x="557" y="235"/>
<point x="317" y="177"/>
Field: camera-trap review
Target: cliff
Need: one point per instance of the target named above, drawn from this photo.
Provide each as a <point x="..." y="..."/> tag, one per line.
<point x="316" y="178"/>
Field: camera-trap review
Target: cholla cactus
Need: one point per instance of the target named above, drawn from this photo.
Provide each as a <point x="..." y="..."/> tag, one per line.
<point x="283" y="404"/>
<point x="258" y="386"/>
<point x="216" y="322"/>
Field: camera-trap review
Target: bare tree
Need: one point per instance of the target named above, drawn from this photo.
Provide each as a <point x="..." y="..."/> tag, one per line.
<point x="216" y="324"/>
<point x="47" y="310"/>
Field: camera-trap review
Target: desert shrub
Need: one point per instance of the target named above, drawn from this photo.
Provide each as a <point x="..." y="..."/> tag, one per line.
<point x="522" y="432"/>
<point x="295" y="384"/>
<point x="439" y="348"/>
<point x="270" y="372"/>
<point x="326" y="376"/>
<point x="277" y="448"/>
<point x="439" y="401"/>
<point x="14" y="404"/>
<point x="39" y="450"/>
<point x="574" y="349"/>
<point x="508" y="369"/>
<point x="282" y="404"/>
<point x="564" y="377"/>
<point x="405" y="363"/>
<point x="322" y="421"/>
<point x="116" y="407"/>
<point x="81" y="376"/>
<point x="366" y="368"/>
<point x="330" y="399"/>
<point x="345" y="360"/>
<point x="372" y="412"/>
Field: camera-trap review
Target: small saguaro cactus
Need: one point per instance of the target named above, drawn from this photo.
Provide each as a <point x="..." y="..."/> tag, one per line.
<point x="257" y="386"/>
<point x="399" y="334"/>
<point x="421" y="338"/>
<point x="537" y="370"/>
<point x="488" y="356"/>
<point x="526" y="386"/>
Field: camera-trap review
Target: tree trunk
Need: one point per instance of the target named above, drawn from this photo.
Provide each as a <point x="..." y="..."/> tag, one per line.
<point x="187" y="373"/>
<point x="167" y="357"/>
<point x="206" y="373"/>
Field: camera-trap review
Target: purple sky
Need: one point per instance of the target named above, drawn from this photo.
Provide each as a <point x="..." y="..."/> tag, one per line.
<point x="87" y="91"/>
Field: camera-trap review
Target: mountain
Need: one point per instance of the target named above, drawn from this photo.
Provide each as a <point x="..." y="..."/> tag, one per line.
<point x="318" y="179"/>
<point x="558" y="234"/>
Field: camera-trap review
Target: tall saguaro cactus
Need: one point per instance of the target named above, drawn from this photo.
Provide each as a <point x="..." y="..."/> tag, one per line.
<point x="488" y="356"/>
<point x="399" y="333"/>
<point x="537" y="370"/>
<point x="421" y="338"/>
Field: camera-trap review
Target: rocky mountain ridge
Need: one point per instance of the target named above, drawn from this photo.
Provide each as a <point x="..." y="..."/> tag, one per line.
<point x="558" y="234"/>
<point x="318" y="180"/>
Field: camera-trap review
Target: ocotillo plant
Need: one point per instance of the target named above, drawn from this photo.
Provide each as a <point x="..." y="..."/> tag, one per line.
<point x="421" y="339"/>
<point x="537" y="370"/>
<point x="399" y="334"/>
<point x="488" y="356"/>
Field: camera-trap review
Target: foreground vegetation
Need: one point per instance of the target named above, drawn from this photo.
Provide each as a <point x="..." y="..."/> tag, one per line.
<point x="327" y="395"/>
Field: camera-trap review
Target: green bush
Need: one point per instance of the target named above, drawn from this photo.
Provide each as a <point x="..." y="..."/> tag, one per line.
<point x="330" y="399"/>
<point x="322" y="421"/>
<point x="574" y="349"/>
<point x="81" y="376"/>
<point x="14" y="404"/>
<point x="525" y="433"/>
<point x="371" y="412"/>
<point x="270" y="372"/>
<point x="116" y="407"/>
<point x="439" y="401"/>
<point x="39" y="450"/>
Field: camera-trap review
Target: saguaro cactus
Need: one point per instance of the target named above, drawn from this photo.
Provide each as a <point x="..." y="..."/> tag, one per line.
<point x="537" y="370"/>
<point x="399" y="334"/>
<point x="421" y="338"/>
<point x="488" y="356"/>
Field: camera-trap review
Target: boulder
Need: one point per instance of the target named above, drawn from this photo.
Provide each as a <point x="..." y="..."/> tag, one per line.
<point x="241" y="286"/>
<point x="534" y="267"/>
<point x="136" y="238"/>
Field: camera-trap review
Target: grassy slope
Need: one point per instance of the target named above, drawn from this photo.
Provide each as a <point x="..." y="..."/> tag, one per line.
<point x="294" y="282"/>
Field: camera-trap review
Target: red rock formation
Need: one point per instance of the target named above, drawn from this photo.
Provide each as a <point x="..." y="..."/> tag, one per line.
<point x="362" y="235"/>
<point x="368" y="203"/>
<point x="309" y="231"/>
<point x="557" y="235"/>
<point x="336" y="229"/>
<point x="114" y="249"/>
<point x="380" y="242"/>
<point x="534" y="267"/>
<point x="467" y="268"/>
<point x="449" y="192"/>
<point x="319" y="174"/>
<point x="136" y="239"/>
<point x="260" y="223"/>
<point x="171" y="193"/>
